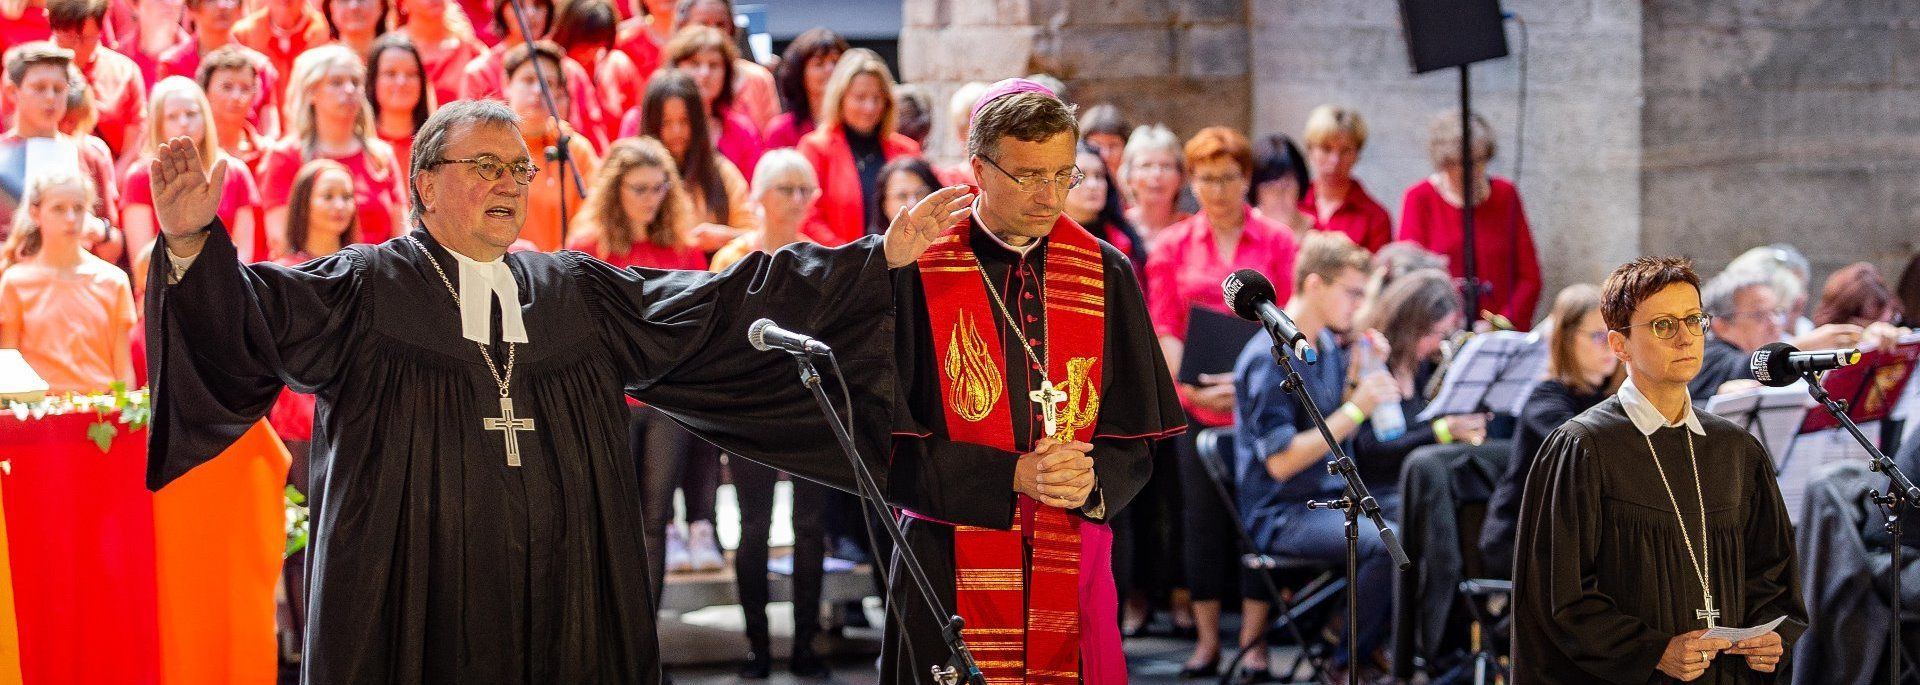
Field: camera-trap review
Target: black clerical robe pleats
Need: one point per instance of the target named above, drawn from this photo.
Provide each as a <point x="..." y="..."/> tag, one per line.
<point x="435" y="561"/>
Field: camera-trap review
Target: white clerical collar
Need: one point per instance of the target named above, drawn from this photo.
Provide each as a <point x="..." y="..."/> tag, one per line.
<point x="480" y="283"/>
<point x="1647" y="417"/>
<point x="1021" y="250"/>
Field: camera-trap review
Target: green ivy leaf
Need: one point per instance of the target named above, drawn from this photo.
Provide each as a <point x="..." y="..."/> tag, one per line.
<point x="101" y="433"/>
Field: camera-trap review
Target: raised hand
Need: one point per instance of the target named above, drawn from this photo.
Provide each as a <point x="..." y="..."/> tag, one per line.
<point x="185" y="195"/>
<point x="915" y="228"/>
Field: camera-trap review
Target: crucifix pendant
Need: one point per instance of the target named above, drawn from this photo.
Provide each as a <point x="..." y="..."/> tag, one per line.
<point x="509" y="427"/>
<point x="1049" y="398"/>
<point x="1709" y="614"/>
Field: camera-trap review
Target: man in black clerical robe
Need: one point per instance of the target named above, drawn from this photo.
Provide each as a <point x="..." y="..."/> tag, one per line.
<point x="1607" y="588"/>
<point x="434" y="559"/>
<point x="948" y="486"/>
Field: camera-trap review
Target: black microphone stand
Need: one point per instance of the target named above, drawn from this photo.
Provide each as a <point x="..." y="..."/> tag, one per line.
<point x="1357" y="501"/>
<point x="960" y="667"/>
<point x="559" y="151"/>
<point x="1900" y="494"/>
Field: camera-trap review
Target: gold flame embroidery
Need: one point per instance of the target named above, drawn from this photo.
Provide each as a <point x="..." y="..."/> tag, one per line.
<point x="1083" y="400"/>
<point x="976" y="381"/>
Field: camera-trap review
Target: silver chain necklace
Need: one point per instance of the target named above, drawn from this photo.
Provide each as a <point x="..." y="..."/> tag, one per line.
<point x="1702" y="566"/>
<point x="508" y="424"/>
<point x="1049" y="398"/>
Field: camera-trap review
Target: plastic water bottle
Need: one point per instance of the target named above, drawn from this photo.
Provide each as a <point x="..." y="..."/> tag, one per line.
<point x="1388" y="421"/>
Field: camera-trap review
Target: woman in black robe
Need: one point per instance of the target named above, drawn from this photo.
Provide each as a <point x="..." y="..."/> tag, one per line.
<point x="1646" y="522"/>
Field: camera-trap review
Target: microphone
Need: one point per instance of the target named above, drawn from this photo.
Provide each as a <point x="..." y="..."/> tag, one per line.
<point x="1779" y="364"/>
<point x="1251" y="296"/>
<point x="765" y="335"/>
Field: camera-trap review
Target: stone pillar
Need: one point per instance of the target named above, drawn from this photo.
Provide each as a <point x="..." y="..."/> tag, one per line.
<point x="1182" y="63"/>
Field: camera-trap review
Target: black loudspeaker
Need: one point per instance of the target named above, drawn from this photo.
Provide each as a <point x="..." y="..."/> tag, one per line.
<point x="1442" y="34"/>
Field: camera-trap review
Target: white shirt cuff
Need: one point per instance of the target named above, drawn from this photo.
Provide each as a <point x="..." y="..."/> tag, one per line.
<point x="178" y="265"/>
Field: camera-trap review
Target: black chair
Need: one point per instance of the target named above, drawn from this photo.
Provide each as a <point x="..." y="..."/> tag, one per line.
<point x="1302" y="611"/>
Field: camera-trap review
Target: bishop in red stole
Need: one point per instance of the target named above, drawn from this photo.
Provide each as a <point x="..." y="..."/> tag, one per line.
<point x="1002" y="346"/>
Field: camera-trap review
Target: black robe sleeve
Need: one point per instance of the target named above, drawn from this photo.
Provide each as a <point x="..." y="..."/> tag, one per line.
<point x="972" y="484"/>
<point x="223" y="341"/>
<point x="1772" y="580"/>
<point x="680" y="340"/>
<point x="1560" y="529"/>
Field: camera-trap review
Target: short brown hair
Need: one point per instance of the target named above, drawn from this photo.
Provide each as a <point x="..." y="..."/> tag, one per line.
<point x="694" y="40"/>
<point x="230" y="56"/>
<point x="39" y="53"/>
<point x="1029" y="117"/>
<point x="72" y="15"/>
<point x="1328" y="254"/>
<point x="1635" y="281"/>
<point x="519" y="55"/>
<point x="1219" y="143"/>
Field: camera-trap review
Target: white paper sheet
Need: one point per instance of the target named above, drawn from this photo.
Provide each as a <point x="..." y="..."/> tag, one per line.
<point x="1735" y="635"/>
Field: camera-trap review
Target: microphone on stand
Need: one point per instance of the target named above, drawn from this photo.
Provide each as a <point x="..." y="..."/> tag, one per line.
<point x="766" y="336"/>
<point x="1780" y="365"/>
<point x="1250" y="296"/>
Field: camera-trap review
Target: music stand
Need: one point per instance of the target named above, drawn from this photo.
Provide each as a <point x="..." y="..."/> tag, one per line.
<point x="1870" y="389"/>
<point x="1492" y="372"/>
<point x="1772" y="415"/>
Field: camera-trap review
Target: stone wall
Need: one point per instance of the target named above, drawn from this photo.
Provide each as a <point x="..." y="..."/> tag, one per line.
<point x="1794" y="121"/>
<point x="1182" y="61"/>
<point x="1577" y="171"/>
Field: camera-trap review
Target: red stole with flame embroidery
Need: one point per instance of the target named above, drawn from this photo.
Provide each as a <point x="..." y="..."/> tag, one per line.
<point x="1021" y="627"/>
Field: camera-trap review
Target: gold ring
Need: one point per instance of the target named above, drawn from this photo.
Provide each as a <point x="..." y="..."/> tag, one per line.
<point x="1703" y="656"/>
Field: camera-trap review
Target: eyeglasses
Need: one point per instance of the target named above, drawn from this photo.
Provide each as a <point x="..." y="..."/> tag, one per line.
<point x="1033" y="183"/>
<point x="1777" y="316"/>
<point x="490" y="168"/>
<point x="1218" y="181"/>
<point x="1666" y="326"/>
<point x="660" y="188"/>
<point x="793" y="191"/>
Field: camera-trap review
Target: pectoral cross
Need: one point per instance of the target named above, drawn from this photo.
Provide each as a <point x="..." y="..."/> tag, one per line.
<point x="1709" y="614"/>
<point x="1049" y="398"/>
<point x="510" y="427"/>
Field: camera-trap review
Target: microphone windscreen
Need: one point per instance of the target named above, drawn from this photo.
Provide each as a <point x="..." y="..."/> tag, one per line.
<point x="1771" y="366"/>
<point x="1245" y="288"/>
<point x="757" y="335"/>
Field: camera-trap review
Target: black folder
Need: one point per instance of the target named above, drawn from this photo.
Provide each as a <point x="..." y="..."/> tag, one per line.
<point x="1214" y="341"/>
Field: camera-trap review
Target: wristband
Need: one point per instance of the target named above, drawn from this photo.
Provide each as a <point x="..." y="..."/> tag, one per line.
<point x="1440" y="431"/>
<point x="1353" y="412"/>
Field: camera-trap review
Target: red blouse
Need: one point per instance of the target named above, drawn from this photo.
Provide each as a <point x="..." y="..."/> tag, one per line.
<point x="376" y="190"/>
<point x="1506" y="262"/>
<point x="1185" y="268"/>
<point x="1358" y="216"/>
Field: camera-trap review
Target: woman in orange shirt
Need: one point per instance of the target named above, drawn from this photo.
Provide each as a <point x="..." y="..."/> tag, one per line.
<point x="69" y="313"/>
<point x="553" y="198"/>
<point x="857" y="136"/>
